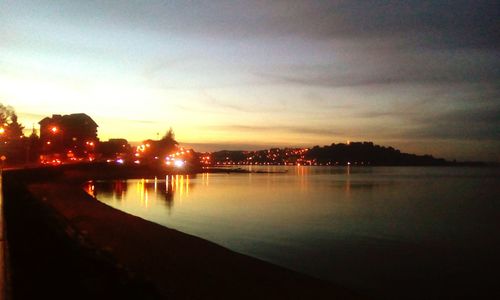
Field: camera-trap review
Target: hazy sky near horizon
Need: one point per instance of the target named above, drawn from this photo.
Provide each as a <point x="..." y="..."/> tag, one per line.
<point x="422" y="76"/>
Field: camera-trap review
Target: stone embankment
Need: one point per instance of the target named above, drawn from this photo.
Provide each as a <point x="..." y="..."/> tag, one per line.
<point x="65" y="244"/>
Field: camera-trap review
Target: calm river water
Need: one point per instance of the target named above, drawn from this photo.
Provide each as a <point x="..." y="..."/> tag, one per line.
<point x="388" y="231"/>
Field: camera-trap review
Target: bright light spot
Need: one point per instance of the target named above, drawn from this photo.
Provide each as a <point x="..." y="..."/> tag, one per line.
<point x="137" y="161"/>
<point x="2" y="130"/>
<point x="120" y="161"/>
<point x="178" y="163"/>
<point x="54" y="129"/>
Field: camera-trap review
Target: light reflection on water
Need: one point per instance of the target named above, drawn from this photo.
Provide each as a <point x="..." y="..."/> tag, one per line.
<point x="363" y="227"/>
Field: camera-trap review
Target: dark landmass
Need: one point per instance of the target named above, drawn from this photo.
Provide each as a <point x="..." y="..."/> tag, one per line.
<point x="354" y="153"/>
<point x="368" y="153"/>
<point x="65" y="244"/>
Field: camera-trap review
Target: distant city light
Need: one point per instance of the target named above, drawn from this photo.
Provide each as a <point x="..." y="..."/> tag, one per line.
<point x="2" y="130"/>
<point x="178" y="163"/>
<point x="54" y="129"/>
<point x="120" y="161"/>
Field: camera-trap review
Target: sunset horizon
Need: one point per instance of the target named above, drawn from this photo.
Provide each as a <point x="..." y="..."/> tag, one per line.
<point x="249" y="149"/>
<point x="432" y="147"/>
<point x="422" y="78"/>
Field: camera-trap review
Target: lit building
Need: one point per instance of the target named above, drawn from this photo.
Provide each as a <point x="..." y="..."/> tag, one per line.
<point x="69" y="136"/>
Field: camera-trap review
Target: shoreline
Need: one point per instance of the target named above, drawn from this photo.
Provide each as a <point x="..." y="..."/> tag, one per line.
<point x="157" y="260"/>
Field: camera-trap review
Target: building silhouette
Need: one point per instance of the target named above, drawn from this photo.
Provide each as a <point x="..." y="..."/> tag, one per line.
<point x="71" y="136"/>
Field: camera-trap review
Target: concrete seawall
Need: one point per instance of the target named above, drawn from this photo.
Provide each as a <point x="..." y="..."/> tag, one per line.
<point x="4" y="285"/>
<point x="63" y="241"/>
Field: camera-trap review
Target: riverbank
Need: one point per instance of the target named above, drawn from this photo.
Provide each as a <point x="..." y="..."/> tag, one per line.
<point x="63" y="240"/>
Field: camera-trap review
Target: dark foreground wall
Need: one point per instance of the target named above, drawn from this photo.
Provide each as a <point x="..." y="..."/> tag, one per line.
<point x="65" y="244"/>
<point x="49" y="261"/>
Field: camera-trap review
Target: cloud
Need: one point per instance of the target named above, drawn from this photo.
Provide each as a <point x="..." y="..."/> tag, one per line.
<point x="209" y="147"/>
<point x="299" y="129"/>
<point x="214" y="102"/>
<point x="458" y="23"/>
<point x="430" y="67"/>
<point x="406" y="69"/>
<point x="481" y="123"/>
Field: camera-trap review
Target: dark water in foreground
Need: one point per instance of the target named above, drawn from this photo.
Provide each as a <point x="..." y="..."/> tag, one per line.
<point x="392" y="231"/>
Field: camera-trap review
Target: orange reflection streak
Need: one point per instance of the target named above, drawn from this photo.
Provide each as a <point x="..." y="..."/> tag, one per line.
<point x="348" y="182"/>
<point x="181" y="183"/>
<point x="176" y="183"/>
<point x="301" y="171"/>
<point x="205" y="178"/>
<point x="187" y="185"/>
<point x="141" y="190"/>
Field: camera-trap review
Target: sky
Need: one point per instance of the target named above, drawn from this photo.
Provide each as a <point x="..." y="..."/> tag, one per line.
<point x="421" y="76"/>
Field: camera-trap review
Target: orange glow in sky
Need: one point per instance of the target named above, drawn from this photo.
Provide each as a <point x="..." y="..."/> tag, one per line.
<point x="252" y="75"/>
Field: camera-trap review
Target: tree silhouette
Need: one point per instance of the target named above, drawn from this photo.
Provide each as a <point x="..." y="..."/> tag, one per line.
<point x="168" y="142"/>
<point x="14" y="129"/>
<point x="10" y="127"/>
<point x="158" y="150"/>
<point x="5" y="113"/>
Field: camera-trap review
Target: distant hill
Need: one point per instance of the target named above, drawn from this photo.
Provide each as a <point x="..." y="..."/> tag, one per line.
<point x="355" y="153"/>
<point x="368" y="153"/>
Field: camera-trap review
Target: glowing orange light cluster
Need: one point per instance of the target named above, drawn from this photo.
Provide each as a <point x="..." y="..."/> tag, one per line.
<point x="205" y="160"/>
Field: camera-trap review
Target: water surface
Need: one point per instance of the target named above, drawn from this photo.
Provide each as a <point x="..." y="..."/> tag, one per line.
<point x="379" y="229"/>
